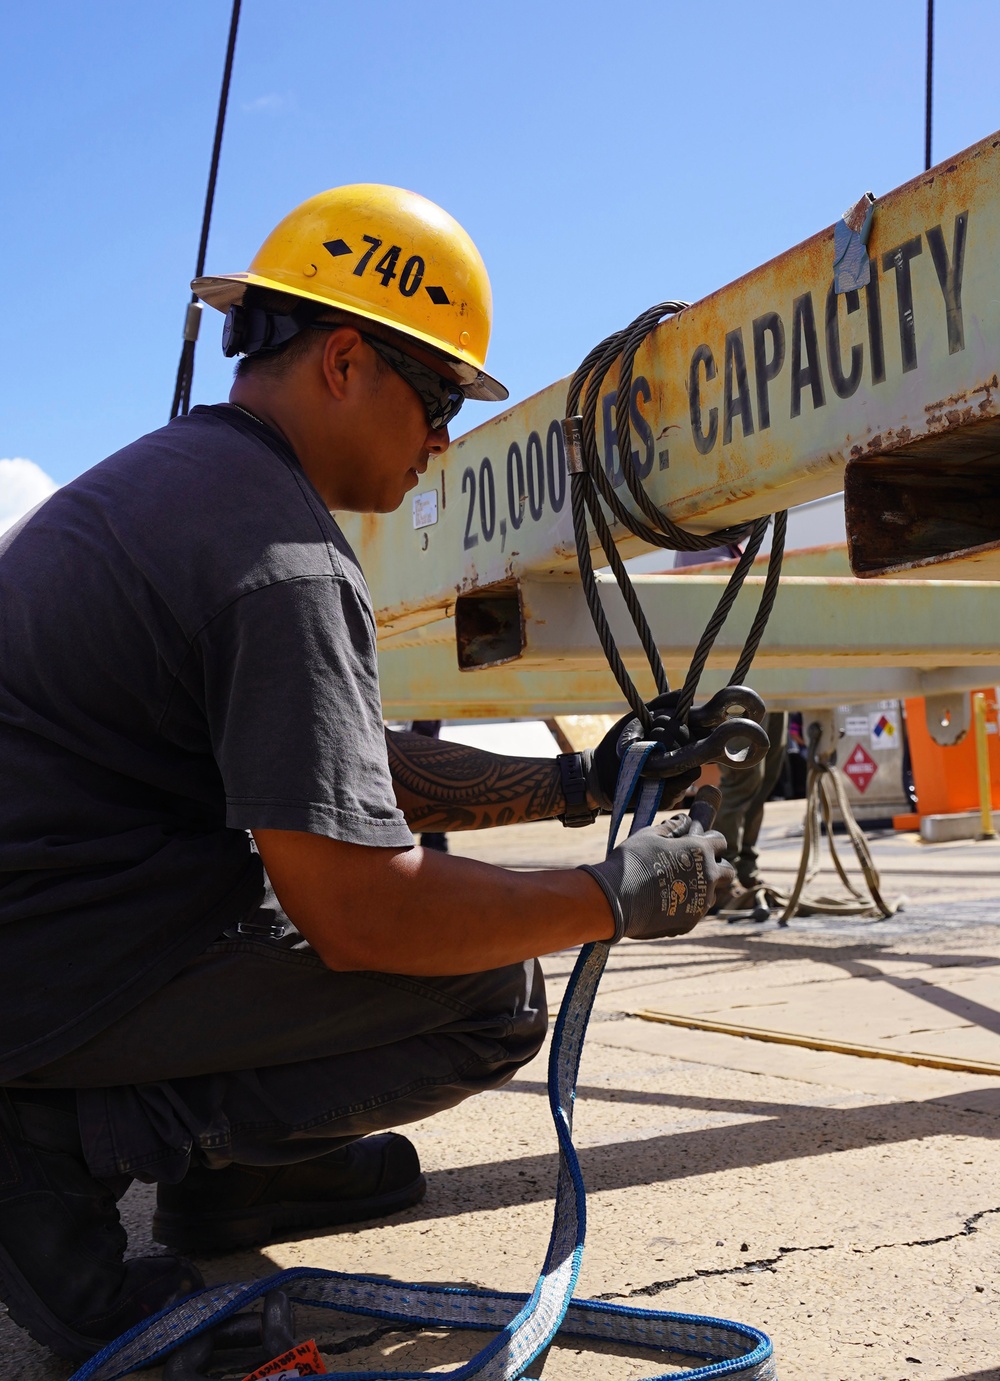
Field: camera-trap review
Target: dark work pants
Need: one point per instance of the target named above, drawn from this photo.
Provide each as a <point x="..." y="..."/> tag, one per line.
<point x="258" y="1054"/>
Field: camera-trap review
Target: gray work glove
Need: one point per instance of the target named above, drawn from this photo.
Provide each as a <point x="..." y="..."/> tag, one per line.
<point x="663" y="879"/>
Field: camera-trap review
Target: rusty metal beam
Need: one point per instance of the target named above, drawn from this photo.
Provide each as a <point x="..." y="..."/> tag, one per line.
<point x="426" y="684"/>
<point x="829" y="642"/>
<point x="751" y="400"/>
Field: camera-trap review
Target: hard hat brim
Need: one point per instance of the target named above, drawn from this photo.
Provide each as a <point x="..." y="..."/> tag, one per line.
<point x="223" y="291"/>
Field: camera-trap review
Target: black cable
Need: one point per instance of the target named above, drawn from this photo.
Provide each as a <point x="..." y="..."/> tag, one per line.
<point x="185" y="368"/>
<point x="929" y="90"/>
<point x="719" y="616"/>
<point x="767" y="598"/>
<point x="597" y="365"/>
<point x="578" y="492"/>
<point x="590" y="483"/>
<point x="627" y="590"/>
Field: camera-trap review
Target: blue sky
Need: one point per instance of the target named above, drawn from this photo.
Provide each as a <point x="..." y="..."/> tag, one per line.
<point x="602" y="156"/>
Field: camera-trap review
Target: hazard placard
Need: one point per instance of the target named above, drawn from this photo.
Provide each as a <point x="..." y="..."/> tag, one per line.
<point x="884" y="729"/>
<point x="861" y="768"/>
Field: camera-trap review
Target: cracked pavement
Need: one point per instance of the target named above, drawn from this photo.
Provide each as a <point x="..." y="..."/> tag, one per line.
<point x="849" y="1207"/>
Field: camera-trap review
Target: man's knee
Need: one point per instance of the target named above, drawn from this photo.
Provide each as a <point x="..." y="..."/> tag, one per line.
<point x="508" y="1006"/>
<point x="510" y="1003"/>
<point x="530" y="1022"/>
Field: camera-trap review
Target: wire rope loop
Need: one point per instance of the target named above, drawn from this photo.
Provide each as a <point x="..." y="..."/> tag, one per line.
<point x="596" y="484"/>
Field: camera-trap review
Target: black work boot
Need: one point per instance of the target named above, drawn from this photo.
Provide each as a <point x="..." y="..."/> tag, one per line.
<point x="246" y="1205"/>
<point x="62" y="1275"/>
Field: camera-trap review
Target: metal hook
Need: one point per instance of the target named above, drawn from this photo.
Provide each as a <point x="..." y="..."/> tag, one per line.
<point x="270" y="1331"/>
<point x="719" y="746"/>
<point x="731" y="702"/>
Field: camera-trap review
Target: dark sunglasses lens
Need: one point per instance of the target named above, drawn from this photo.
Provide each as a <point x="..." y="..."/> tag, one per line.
<point x="440" y="397"/>
<point x="446" y="409"/>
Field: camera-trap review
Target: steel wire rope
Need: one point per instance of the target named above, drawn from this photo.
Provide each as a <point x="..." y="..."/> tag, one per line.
<point x="719" y="615"/>
<point x="591" y="482"/>
<point x="634" y="336"/>
<point x="768" y="595"/>
<point x="822" y="779"/>
<point x="185" y="368"/>
<point x="579" y="499"/>
<point x="929" y="85"/>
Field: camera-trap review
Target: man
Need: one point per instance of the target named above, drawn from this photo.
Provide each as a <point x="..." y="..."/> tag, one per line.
<point x="188" y="691"/>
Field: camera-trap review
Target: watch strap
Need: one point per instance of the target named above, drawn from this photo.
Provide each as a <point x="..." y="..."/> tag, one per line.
<point x="573" y="776"/>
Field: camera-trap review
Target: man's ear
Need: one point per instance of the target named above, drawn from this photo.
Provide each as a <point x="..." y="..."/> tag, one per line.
<point x="341" y="360"/>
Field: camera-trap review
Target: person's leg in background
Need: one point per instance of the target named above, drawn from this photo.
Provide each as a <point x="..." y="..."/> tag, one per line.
<point x="744" y="795"/>
<point x="772" y="767"/>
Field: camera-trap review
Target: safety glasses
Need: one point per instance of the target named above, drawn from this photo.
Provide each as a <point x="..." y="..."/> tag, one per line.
<point x="441" y="398"/>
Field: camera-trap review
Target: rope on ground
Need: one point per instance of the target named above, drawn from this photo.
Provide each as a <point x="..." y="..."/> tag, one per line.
<point x="824" y="789"/>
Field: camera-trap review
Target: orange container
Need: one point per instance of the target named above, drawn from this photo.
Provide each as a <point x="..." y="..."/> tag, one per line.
<point x="946" y="778"/>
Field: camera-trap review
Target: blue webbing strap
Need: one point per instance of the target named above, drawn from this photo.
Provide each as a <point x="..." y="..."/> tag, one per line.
<point x="524" y="1326"/>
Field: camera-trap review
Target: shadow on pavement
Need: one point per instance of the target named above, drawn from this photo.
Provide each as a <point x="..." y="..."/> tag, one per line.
<point x="777" y="1135"/>
<point x="851" y="960"/>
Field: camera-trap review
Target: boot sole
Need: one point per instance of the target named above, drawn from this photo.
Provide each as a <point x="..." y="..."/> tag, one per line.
<point x="211" y="1234"/>
<point x="31" y="1314"/>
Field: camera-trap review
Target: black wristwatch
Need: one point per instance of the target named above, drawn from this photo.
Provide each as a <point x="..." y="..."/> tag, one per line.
<point x="574" y="789"/>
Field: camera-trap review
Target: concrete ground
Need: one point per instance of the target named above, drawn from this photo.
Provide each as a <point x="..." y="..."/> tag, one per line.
<point x="849" y="1207"/>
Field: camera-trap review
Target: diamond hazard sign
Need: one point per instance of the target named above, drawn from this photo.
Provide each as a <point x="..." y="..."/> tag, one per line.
<point x="884" y="730"/>
<point x="861" y="768"/>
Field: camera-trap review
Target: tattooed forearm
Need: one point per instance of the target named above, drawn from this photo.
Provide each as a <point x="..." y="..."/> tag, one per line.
<point x="449" y="786"/>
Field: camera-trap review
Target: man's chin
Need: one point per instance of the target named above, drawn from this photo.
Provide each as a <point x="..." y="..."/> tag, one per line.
<point x="390" y="505"/>
<point x="385" y="502"/>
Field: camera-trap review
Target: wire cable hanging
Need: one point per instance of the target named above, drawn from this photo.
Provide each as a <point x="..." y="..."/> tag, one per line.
<point x="929" y="85"/>
<point x="590" y="483"/>
<point x="192" y="320"/>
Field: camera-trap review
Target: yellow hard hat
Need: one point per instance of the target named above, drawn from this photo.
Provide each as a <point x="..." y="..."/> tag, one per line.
<point x="386" y="254"/>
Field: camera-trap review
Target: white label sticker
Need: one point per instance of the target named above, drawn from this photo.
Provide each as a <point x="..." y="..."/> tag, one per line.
<point x="425" y="508"/>
<point x="856" y="726"/>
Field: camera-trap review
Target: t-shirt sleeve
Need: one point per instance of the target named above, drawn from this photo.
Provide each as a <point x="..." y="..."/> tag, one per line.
<point x="294" y="713"/>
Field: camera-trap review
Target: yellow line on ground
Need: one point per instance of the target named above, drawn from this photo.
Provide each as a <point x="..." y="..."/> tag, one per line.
<point x="867" y="1052"/>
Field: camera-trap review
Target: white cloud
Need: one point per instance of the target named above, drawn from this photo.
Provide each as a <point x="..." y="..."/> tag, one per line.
<point x="22" y="485"/>
<point x="272" y="101"/>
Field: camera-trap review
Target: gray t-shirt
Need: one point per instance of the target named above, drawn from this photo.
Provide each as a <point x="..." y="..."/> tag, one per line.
<point x="187" y="652"/>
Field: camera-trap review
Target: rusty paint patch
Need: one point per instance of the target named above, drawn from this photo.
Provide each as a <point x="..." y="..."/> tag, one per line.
<point x="904" y="513"/>
<point x="489" y="626"/>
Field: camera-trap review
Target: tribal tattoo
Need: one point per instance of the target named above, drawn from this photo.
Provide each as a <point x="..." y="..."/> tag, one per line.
<point x="444" y="786"/>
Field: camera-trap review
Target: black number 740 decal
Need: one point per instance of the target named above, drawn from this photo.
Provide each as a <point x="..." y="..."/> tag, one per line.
<point x="409" y="278"/>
